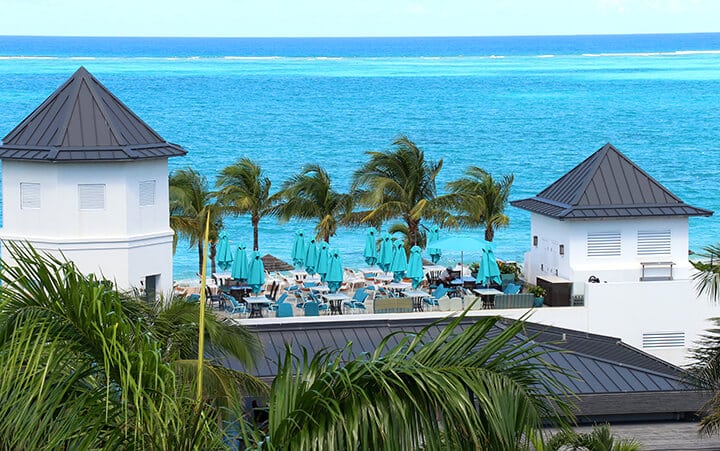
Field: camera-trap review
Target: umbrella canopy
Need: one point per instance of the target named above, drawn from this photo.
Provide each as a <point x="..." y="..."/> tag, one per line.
<point x="256" y="272"/>
<point x="489" y="271"/>
<point x="370" y="253"/>
<point x="415" y="266"/>
<point x="321" y="267"/>
<point x="434" y="252"/>
<point x="240" y="264"/>
<point x="224" y="252"/>
<point x="334" y="277"/>
<point x="386" y="252"/>
<point x="399" y="261"/>
<point x="462" y="244"/>
<point x="298" y="249"/>
<point x="311" y="257"/>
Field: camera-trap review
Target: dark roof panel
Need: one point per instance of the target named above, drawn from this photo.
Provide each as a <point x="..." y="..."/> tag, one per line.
<point x="83" y="121"/>
<point x="607" y="185"/>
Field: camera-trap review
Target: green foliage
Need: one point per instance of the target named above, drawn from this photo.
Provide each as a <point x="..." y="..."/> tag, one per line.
<point x="707" y="277"/>
<point x="539" y="292"/>
<point x="600" y="438"/>
<point x="509" y="268"/>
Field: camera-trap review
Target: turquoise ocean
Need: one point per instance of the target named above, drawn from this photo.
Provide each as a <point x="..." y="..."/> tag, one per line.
<point x="531" y="106"/>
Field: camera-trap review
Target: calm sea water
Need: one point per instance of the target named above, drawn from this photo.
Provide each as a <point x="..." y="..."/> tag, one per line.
<point x="532" y="106"/>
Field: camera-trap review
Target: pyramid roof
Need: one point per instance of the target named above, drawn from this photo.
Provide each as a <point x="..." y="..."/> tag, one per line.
<point x="83" y="121"/>
<point x="607" y="185"/>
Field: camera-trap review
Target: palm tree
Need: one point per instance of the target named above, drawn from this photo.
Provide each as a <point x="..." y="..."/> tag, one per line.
<point x="600" y="438"/>
<point x="398" y="184"/>
<point x="86" y="366"/>
<point x="484" y="387"/>
<point x="190" y="202"/>
<point x="480" y="200"/>
<point x="309" y="195"/>
<point x="245" y="189"/>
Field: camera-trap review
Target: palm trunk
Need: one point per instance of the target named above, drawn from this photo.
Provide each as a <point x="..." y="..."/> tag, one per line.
<point x="213" y="252"/>
<point x="200" y="256"/>
<point x="489" y="233"/>
<point x="255" y="225"/>
<point x="413" y="228"/>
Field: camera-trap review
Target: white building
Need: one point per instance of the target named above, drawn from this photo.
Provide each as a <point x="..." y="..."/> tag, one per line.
<point x="82" y="174"/>
<point x="613" y="242"/>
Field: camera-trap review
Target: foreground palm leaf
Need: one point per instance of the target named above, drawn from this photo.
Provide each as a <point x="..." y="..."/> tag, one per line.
<point x="469" y="389"/>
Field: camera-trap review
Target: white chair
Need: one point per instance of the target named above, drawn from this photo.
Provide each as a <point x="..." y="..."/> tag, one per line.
<point x="444" y="304"/>
<point x="456" y="304"/>
<point x="469" y="300"/>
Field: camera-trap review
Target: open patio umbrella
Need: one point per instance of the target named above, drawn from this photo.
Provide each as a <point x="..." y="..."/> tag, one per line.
<point x="224" y="252"/>
<point x="415" y="266"/>
<point x="298" y="249"/>
<point x="311" y="257"/>
<point x="460" y="244"/>
<point x="334" y="277"/>
<point x="239" y="269"/>
<point x="399" y="261"/>
<point x="370" y="253"/>
<point x="386" y="252"/>
<point x="321" y="267"/>
<point x="489" y="271"/>
<point x="434" y="252"/>
<point x="256" y="272"/>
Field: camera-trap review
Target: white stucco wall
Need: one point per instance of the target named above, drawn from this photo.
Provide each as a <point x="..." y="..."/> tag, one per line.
<point x="124" y="241"/>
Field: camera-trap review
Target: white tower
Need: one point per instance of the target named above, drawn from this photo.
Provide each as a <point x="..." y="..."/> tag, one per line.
<point x="82" y="174"/>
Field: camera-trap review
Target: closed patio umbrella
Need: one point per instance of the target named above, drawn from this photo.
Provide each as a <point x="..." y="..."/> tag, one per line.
<point x="239" y="269"/>
<point x="415" y="266"/>
<point x="386" y="252"/>
<point x="399" y="261"/>
<point x="311" y="257"/>
<point x="489" y="270"/>
<point x="256" y="272"/>
<point x="371" y="253"/>
<point x="434" y="252"/>
<point x="334" y="277"/>
<point x="321" y="267"/>
<point x="298" y="249"/>
<point x="224" y="252"/>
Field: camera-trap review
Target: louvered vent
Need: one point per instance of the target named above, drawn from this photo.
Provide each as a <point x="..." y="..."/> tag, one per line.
<point x="653" y="242"/>
<point x="147" y="193"/>
<point x="604" y="244"/>
<point x="663" y="340"/>
<point x="29" y="196"/>
<point x="91" y="197"/>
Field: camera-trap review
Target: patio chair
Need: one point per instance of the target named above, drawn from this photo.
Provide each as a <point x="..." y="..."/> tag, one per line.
<point x="193" y="298"/>
<point x="444" y="303"/>
<point x="472" y="301"/>
<point x="432" y="300"/>
<point x="456" y="304"/>
<point x="511" y="288"/>
<point x="232" y="306"/>
<point x="357" y="303"/>
<point x="284" y="310"/>
<point x="311" y="308"/>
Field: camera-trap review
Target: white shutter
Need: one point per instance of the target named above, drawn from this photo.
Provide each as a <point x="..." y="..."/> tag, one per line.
<point x="603" y="244"/>
<point x="663" y="340"/>
<point x="147" y="193"/>
<point x="653" y="242"/>
<point x="91" y="196"/>
<point x="29" y="196"/>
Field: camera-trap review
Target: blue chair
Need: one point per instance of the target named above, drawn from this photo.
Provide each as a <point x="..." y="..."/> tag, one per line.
<point x="285" y="310"/>
<point x="322" y="307"/>
<point x="232" y="306"/>
<point x="358" y="300"/>
<point x="511" y="288"/>
<point x="193" y="299"/>
<point x="311" y="308"/>
<point x="439" y="292"/>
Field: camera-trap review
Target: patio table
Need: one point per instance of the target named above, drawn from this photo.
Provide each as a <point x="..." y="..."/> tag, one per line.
<point x="488" y="296"/>
<point x="417" y="297"/>
<point x="256" y="303"/>
<point x="336" y="300"/>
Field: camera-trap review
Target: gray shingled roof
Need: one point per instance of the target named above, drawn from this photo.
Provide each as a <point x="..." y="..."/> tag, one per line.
<point x="607" y="185"/>
<point x="83" y="121"/>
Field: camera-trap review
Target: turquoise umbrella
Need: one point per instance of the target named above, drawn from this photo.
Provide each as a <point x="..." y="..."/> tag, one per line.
<point x="256" y="272"/>
<point x="334" y="277"/>
<point x="240" y="264"/>
<point x="224" y="256"/>
<point x="321" y="267"/>
<point x="298" y="249"/>
<point x="399" y="261"/>
<point x="489" y="270"/>
<point x="311" y="256"/>
<point x="415" y="266"/>
<point x="433" y="236"/>
<point x="370" y="253"/>
<point x="386" y="252"/>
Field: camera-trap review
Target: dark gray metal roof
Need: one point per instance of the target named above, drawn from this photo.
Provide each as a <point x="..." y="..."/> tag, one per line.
<point x="83" y="121"/>
<point x="607" y="185"/>
<point x="599" y="371"/>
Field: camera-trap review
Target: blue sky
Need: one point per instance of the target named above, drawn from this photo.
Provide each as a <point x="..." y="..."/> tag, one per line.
<point x="295" y="18"/>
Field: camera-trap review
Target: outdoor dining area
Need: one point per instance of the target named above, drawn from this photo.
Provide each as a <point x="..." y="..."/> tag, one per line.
<point x="393" y="280"/>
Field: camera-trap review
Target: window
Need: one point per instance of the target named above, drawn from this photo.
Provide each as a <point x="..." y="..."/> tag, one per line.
<point x="603" y="244"/>
<point x="147" y="193"/>
<point x="91" y="197"/>
<point x="653" y="242"/>
<point x="29" y="196"/>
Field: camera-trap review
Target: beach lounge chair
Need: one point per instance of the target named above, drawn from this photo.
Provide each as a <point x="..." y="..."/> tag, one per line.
<point x="232" y="306"/>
